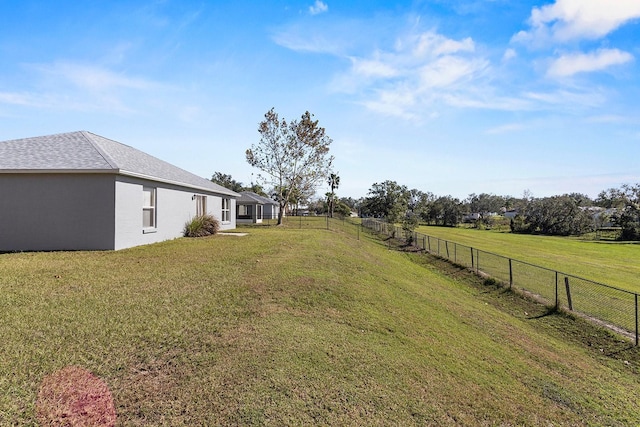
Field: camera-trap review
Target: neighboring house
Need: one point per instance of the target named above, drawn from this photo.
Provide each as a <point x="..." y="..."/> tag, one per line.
<point x="80" y="191"/>
<point x="512" y="213"/>
<point x="253" y="208"/>
<point x="471" y="217"/>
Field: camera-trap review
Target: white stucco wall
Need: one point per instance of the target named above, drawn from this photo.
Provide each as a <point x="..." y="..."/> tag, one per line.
<point x="174" y="207"/>
<point x="56" y="212"/>
<point x="40" y="212"/>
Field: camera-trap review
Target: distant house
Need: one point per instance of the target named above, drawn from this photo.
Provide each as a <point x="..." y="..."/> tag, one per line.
<point x="512" y="213"/>
<point x="253" y="208"/>
<point x="471" y="217"/>
<point x="80" y="191"/>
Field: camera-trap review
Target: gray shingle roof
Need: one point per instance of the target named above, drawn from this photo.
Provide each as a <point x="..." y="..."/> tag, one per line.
<point x="251" y="197"/>
<point x="87" y="152"/>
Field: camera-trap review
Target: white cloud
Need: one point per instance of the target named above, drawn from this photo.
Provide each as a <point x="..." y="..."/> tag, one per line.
<point x="80" y="87"/>
<point x="568" y="65"/>
<point x="567" y="20"/>
<point x="565" y="99"/>
<point x="374" y="68"/>
<point x="301" y="40"/>
<point x="448" y="71"/>
<point x="398" y="103"/>
<point x="509" y="54"/>
<point x="93" y="78"/>
<point x="507" y="128"/>
<point x="409" y="79"/>
<point x="609" y="118"/>
<point x="16" y="99"/>
<point x="318" y="7"/>
<point x="432" y="44"/>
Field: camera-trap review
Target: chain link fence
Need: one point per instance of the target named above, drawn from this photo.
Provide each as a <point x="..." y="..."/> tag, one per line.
<point x="614" y="308"/>
<point x="349" y="226"/>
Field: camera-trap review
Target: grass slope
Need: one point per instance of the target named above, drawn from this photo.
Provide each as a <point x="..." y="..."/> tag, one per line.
<point x="291" y="327"/>
<point x="615" y="264"/>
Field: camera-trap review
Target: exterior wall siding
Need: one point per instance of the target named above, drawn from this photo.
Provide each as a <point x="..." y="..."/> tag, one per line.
<point x="44" y="212"/>
<point x="174" y="207"/>
<point x="270" y="211"/>
<point x="40" y="212"/>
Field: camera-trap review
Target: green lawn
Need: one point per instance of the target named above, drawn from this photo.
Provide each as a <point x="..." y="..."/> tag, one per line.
<point x="615" y="264"/>
<point x="301" y="327"/>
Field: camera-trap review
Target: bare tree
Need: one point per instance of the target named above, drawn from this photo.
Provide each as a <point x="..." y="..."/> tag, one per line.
<point x="293" y="156"/>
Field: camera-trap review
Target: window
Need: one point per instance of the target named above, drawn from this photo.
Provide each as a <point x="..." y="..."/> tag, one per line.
<point x="258" y="211"/>
<point x="201" y="205"/>
<point x="226" y="209"/>
<point x="244" y="212"/>
<point x="148" y="207"/>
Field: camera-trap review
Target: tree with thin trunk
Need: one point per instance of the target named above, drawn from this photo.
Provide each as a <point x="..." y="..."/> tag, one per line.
<point x="334" y="183"/>
<point x="294" y="156"/>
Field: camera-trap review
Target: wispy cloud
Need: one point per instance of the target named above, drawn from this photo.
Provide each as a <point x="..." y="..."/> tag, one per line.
<point x="22" y="99"/>
<point x="509" y="54"/>
<point x="567" y="20"/>
<point x="318" y="7"/>
<point x="304" y="39"/>
<point x="610" y="118"/>
<point x="568" y="65"/>
<point x="506" y="128"/>
<point x="417" y="72"/>
<point x="92" y="77"/>
<point x="567" y="99"/>
<point x="73" y="86"/>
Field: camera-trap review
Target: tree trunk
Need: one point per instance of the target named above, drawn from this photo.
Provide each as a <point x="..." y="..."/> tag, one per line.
<point x="281" y="213"/>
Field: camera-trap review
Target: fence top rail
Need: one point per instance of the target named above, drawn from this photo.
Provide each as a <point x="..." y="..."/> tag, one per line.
<point x="525" y="263"/>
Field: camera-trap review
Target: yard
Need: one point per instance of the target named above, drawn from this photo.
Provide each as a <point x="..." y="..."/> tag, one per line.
<point x="290" y="326"/>
<point x="611" y="263"/>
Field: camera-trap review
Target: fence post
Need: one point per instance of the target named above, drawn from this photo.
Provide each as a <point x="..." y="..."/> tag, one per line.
<point x="446" y="244"/>
<point x="557" y="302"/>
<point x="455" y="252"/>
<point x="429" y="242"/>
<point x="510" y="274"/>
<point x="424" y="242"/>
<point x="472" y="264"/>
<point x="477" y="261"/>
<point x="566" y="285"/>
<point x="636" y="320"/>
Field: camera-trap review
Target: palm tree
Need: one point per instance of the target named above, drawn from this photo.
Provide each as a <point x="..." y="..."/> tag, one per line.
<point x="334" y="183"/>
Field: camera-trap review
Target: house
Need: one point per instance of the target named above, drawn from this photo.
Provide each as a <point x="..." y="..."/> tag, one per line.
<point x="253" y="208"/>
<point x="512" y="213"/>
<point x="80" y="191"/>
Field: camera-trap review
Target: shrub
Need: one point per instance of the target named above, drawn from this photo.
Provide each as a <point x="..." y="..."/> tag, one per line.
<point x="409" y="224"/>
<point x="201" y="226"/>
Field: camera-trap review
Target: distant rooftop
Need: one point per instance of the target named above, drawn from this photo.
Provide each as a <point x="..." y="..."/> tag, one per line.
<point x="251" y="197"/>
<point x="85" y="152"/>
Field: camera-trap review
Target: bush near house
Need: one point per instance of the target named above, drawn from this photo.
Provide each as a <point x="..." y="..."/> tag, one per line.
<point x="201" y="226"/>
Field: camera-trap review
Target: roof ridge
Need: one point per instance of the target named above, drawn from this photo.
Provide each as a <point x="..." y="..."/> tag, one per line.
<point x="107" y="158"/>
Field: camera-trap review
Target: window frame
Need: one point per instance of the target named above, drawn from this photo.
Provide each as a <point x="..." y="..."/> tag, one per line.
<point x="151" y="207"/>
<point x="201" y="205"/>
<point x="244" y="211"/>
<point x="226" y="210"/>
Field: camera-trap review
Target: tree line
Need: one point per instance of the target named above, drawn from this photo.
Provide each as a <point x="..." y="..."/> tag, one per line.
<point x="563" y="215"/>
<point x="294" y="159"/>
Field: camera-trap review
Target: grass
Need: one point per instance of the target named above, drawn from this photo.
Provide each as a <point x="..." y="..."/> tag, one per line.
<point x="292" y="327"/>
<point x="615" y="264"/>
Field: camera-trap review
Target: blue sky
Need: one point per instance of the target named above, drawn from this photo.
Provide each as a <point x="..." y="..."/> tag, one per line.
<point x="451" y="97"/>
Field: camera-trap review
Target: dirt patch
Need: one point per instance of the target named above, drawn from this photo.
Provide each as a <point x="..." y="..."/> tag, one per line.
<point x="74" y="396"/>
